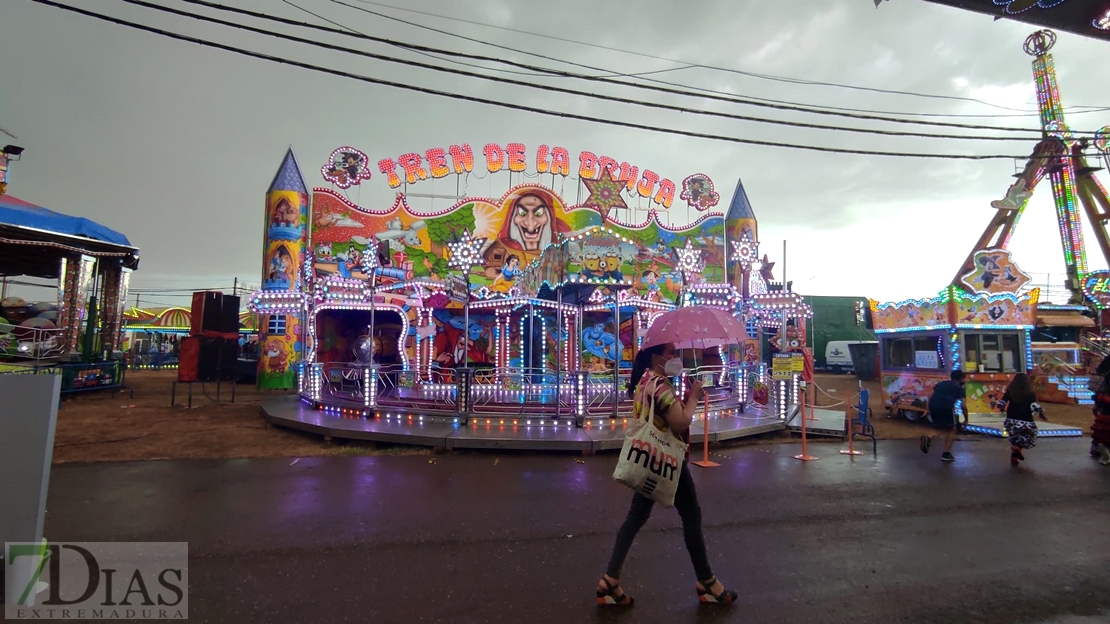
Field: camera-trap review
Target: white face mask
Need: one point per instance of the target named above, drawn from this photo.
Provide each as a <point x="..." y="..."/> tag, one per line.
<point x="673" y="367"/>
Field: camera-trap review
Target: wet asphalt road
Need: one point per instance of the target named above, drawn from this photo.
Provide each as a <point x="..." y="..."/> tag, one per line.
<point x="512" y="538"/>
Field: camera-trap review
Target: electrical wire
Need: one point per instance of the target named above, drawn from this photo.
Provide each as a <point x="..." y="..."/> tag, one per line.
<point x="726" y="96"/>
<point x="449" y="60"/>
<point x="651" y="56"/>
<point x="718" y="96"/>
<point x="567" y="91"/>
<point x="509" y="105"/>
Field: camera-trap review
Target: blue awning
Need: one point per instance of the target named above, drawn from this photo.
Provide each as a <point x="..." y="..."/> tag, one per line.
<point x="16" y="212"/>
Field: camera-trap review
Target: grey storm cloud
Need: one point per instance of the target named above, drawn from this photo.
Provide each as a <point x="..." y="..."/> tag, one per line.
<point x="174" y="144"/>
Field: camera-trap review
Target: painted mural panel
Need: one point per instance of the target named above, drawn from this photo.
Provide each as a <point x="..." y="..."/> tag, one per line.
<point x="913" y="385"/>
<point x="985" y="396"/>
<point x="997" y="310"/>
<point x="284" y="254"/>
<point x="916" y="313"/>
<point x="518" y="227"/>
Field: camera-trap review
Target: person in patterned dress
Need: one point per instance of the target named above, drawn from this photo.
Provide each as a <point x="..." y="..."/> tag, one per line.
<point x="652" y="371"/>
<point x="1020" y="405"/>
<point x="1100" y="430"/>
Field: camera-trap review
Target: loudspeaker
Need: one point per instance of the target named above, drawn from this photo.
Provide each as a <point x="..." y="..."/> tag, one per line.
<point x="188" y="355"/>
<point x="229" y="315"/>
<point x="217" y="359"/>
<point x="207" y="312"/>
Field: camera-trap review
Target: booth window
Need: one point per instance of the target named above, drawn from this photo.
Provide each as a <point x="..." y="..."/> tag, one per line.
<point x="913" y="353"/>
<point x="993" y="353"/>
<point x="275" y="324"/>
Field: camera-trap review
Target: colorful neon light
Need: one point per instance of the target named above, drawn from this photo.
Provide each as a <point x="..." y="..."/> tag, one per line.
<point x="1014" y="7"/>
<point x="1102" y="22"/>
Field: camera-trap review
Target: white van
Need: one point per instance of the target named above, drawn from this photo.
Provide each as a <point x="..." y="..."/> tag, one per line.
<point x="838" y="358"/>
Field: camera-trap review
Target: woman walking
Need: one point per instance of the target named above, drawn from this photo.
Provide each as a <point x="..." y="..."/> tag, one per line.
<point x="650" y="382"/>
<point x="1021" y="405"/>
<point x="1100" y="430"/>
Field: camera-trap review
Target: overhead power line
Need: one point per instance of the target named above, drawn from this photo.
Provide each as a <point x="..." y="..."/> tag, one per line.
<point x="687" y="64"/>
<point x="509" y="105"/>
<point x="731" y="99"/>
<point x="701" y="91"/>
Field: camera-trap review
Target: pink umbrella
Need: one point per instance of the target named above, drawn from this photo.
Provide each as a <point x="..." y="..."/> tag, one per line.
<point x="695" y="327"/>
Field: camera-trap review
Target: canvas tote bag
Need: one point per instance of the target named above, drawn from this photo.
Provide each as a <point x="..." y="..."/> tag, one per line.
<point x="650" y="460"/>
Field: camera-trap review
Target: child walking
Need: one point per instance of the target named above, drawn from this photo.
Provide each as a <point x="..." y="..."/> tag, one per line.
<point x="1021" y="405"/>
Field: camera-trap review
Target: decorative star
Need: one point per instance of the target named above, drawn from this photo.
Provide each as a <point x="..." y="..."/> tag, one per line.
<point x="466" y="252"/>
<point x="745" y="251"/>
<point x="370" y="260"/>
<point x="1016" y="196"/>
<point x="605" y="195"/>
<point x="765" y="269"/>
<point x="689" y="258"/>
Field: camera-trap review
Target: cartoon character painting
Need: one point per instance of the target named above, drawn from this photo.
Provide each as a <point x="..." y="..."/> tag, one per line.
<point x="698" y="192"/>
<point x="504" y="282"/>
<point x="530" y="225"/>
<point x="994" y="271"/>
<point x="451" y="344"/>
<point x="284" y="214"/>
<point x="650" y="279"/>
<point x="277" y="356"/>
<point x="600" y="343"/>
<point x="346" y="167"/>
<point x="280" y="266"/>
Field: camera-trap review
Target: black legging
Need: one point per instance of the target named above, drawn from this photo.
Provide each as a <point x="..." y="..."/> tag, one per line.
<point x="686" y="502"/>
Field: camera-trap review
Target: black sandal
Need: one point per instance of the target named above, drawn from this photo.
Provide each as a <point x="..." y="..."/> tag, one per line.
<point x="610" y="598"/>
<point x="925" y="443"/>
<point x="706" y="595"/>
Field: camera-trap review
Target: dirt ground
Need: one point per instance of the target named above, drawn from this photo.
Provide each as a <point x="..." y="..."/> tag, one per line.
<point x="97" y="427"/>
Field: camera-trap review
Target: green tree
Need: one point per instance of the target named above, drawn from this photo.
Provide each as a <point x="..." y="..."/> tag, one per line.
<point x="449" y="227"/>
<point x="647" y="236"/>
<point x="420" y="261"/>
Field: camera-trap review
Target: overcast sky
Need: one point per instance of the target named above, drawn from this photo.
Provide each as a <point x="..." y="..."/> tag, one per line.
<point x="174" y="144"/>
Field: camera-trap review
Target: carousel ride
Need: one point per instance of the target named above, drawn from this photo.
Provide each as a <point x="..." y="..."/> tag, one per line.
<point x="511" y="320"/>
<point x="990" y="322"/>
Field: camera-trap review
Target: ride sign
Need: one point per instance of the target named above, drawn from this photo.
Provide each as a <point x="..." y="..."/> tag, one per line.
<point x="1096" y="285"/>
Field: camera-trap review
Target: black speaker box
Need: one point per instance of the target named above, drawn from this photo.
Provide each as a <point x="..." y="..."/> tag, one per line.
<point x="229" y="323"/>
<point x="218" y="360"/>
<point x="207" y="312"/>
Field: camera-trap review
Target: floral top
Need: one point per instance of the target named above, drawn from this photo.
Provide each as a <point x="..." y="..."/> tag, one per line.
<point x="664" y="398"/>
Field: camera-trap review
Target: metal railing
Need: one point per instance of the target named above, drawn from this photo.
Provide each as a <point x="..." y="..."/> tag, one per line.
<point x="31" y="343"/>
<point x="507" y="391"/>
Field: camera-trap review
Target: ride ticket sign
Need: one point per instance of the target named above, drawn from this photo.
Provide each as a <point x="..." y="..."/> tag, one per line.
<point x="782" y="366"/>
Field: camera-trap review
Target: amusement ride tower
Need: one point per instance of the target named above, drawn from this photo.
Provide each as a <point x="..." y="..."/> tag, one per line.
<point x="1061" y="157"/>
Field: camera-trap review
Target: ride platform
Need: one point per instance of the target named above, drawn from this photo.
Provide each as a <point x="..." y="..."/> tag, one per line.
<point x="494" y="432"/>
<point x="822" y="422"/>
<point x="991" y="424"/>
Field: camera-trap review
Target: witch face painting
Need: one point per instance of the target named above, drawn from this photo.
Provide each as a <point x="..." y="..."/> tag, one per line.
<point x="530" y="225"/>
